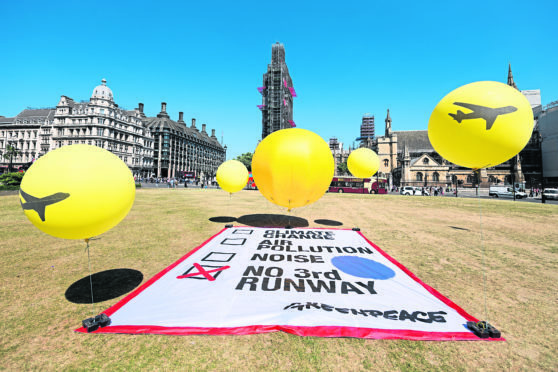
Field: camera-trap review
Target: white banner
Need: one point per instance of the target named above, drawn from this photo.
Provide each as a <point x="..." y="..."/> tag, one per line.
<point x="311" y="282"/>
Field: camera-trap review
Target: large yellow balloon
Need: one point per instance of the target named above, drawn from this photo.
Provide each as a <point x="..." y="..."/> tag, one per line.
<point x="293" y="167"/>
<point x="77" y="192"/>
<point x="481" y="124"/>
<point x="363" y="163"/>
<point x="232" y="176"/>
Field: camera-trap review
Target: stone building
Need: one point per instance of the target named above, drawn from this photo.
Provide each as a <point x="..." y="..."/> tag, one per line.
<point x="150" y="147"/>
<point x="407" y="158"/>
<point x="340" y="155"/>
<point x="99" y="122"/>
<point x="26" y="133"/>
<point x="180" y="149"/>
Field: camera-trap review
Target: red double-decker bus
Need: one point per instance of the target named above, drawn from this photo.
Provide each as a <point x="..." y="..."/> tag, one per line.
<point x="358" y="185"/>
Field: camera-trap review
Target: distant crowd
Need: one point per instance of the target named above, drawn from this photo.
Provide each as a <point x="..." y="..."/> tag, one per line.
<point x="172" y="182"/>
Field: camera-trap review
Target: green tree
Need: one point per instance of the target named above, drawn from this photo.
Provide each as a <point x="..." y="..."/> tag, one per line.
<point x="342" y="168"/>
<point x="246" y="159"/>
<point x="11" y="151"/>
<point x="10" y="181"/>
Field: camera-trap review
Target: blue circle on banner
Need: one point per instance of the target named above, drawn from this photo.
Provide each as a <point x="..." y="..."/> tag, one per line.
<point x="362" y="267"/>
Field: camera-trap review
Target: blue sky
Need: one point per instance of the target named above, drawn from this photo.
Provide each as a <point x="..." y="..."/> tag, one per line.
<point x="207" y="58"/>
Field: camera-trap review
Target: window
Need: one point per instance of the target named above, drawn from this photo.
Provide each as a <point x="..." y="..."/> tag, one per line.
<point x="425" y="161"/>
<point x="419" y="176"/>
<point x="386" y="163"/>
<point x="470" y="178"/>
<point x="436" y="177"/>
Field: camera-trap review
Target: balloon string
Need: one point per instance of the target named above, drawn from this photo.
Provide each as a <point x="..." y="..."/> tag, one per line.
<point x="90" y="278"/>
<point x="483" y="260"/>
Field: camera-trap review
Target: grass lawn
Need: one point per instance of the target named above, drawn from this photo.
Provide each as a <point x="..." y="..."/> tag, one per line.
<point x="438" y="239"/>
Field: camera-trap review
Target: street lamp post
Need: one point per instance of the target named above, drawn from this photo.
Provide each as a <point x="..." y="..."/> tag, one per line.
<point x="512" y="168"/>
<point x="543" y="199"/>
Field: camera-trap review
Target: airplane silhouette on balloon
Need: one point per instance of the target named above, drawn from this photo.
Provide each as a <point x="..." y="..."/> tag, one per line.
<point x="481" y="112"/>
<point x="39" y="204"/>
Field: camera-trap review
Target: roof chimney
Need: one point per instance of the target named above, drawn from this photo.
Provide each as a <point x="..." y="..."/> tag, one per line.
<point x="163" y="113"/>
<point x="193" y="124"/>
<point x="213" y="133"/>
<point x="181" y="117"/>
<point x="203" y="128"/>
<point x="140" y="105"/>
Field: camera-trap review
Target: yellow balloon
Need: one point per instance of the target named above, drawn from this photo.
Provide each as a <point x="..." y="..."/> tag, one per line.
<point x="363" y="163"/>
<point x="481" y="124"/>
<point x="232" y="176"/>
<point x="77" y="192"/>
<point x="293" y="167"/>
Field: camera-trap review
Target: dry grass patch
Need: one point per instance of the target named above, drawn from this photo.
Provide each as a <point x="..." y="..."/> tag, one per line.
<point x="438" y="239"/>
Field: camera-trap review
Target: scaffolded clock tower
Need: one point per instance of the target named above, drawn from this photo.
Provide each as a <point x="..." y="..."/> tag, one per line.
<point x="277" y="94"/>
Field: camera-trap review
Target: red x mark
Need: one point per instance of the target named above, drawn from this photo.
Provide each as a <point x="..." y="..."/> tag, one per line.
<point x="202" y="271"/>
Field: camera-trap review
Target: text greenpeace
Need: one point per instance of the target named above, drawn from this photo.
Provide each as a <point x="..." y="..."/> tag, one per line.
<point x="311" y="282"/>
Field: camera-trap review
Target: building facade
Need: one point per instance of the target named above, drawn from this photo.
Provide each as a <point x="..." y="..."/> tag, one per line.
<point x="277" y="94"/>
<point x="548" y="127"/>
<point x="26" y="134"/>
<point x="182" y="151"/>
<point x="101" y="122"/>
<point x="149" y="146"/>
<point x="340" y="155"/>
<point x="408" y="159"/>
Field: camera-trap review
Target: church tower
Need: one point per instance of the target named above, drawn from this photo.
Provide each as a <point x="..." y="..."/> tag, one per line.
<point x="388" y="124"/>
<point x="511" y="83"/>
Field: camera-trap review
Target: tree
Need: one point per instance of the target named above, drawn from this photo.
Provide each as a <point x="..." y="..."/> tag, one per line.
<point x="11" y="151"/>
<point x="246" y="159"/>
<point x="11" y="180"/>
<point x="342" y="168"/>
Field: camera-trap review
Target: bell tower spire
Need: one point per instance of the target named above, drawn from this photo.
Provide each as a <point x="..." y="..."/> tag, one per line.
<point x="388" y="124"/>
<point x="511" y="83"/>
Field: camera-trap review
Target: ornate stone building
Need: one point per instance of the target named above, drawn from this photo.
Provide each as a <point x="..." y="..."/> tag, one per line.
<point x="180" y="149"/>
<point x="340" y="155"/>
<point x="101" y="122"/>
<point x="150" y="147"/>
<point x="408" y="158"/>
